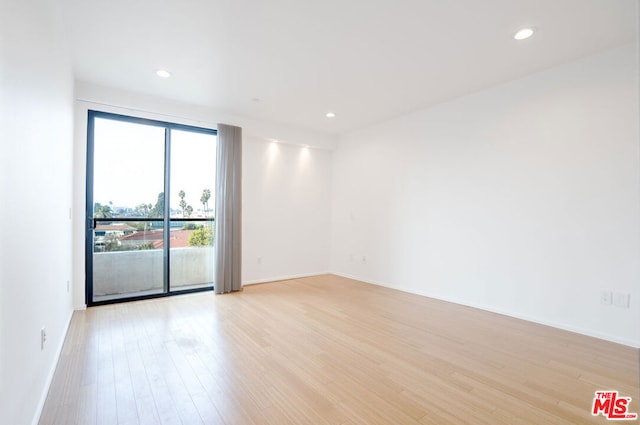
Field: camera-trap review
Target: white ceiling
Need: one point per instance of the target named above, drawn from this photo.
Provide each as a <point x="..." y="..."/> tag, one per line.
<point x="367" y="60"/>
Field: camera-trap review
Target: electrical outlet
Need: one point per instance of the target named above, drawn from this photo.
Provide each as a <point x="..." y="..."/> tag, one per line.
<point x="67" y="286"/>
<point x="43" y="337"/>
<point x="605" y="297"/>
<point x="259" y="260"/>
<point x="621" y="299"/>
<point x="364" y="258"/>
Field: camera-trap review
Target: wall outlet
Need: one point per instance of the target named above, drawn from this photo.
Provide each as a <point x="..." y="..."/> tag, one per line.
<point x="43" y="337"/>
<point x="68" y="286"/>
<point x="605" y="297"/>
<point x="259" y="260"/>
<point x="621" y="299"/>
<point x="364" y="258"/>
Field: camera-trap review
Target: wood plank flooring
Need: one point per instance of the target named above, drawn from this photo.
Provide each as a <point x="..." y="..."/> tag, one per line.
<point x="327" y="350"/>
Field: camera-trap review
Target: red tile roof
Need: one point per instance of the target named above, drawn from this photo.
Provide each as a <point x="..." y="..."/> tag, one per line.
<point x="177" y="238"/>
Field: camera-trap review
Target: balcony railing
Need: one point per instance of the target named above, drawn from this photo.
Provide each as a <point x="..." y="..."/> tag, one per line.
<point x="119" y="274"/>
<point x="130" y="256"/>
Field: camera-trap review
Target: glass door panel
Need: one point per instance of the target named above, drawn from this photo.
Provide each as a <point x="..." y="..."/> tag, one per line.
<point x="192" y="176"/>
<point x="128" y="184"/>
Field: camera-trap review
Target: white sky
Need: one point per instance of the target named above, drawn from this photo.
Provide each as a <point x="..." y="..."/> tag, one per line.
<point x="129" y="164"/>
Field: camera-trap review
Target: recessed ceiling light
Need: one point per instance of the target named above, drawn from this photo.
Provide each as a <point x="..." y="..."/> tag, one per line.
<point x="330" y="114"/>
<point x="523" y="33"/>
<point x="163" y="73"/>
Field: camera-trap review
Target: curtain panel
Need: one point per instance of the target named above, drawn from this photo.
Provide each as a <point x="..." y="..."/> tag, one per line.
<point x="228" y="219"/>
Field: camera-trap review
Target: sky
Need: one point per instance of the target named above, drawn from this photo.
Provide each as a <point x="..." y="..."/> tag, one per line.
<point x="129" y="164"/>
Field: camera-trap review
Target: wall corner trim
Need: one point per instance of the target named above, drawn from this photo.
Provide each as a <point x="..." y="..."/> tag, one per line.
<point x="280" y="278"/>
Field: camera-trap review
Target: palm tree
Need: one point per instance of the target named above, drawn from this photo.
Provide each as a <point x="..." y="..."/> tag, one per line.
<point x="189" y="210"/>
<point x="204" y="200"/>
<point x="182" y="202"/>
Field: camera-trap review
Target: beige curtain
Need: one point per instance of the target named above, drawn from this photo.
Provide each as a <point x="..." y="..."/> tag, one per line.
<point x="228" y="231"/>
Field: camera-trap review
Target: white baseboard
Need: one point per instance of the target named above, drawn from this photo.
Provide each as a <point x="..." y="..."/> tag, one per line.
<point x="563" y="326"/>
<point x="277" y="278"/>
<point x="52" y="371"/>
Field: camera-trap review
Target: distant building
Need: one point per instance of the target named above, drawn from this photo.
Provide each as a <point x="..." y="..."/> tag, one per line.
<point x="119" y="229"/>
<point x="104" y="233"/>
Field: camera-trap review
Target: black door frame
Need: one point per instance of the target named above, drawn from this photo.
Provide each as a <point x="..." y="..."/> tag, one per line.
<point x="166" y="219"/>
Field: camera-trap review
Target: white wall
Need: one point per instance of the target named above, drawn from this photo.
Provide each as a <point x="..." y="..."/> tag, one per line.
<point x="286" y="210"/>
<point x="36" y="101"/>
<point x="286" y="199"/>
<point x="520" y="199"/>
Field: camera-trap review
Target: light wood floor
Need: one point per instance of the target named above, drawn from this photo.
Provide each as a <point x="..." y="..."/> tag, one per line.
<point x="327" y="350"/>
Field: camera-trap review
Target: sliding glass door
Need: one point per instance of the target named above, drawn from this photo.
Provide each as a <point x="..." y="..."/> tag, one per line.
<point x="192" y="175"/>
<point x="150" y="195"/>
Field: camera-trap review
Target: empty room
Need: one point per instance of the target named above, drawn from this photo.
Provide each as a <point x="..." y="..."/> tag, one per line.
<point x="293" y="212"/>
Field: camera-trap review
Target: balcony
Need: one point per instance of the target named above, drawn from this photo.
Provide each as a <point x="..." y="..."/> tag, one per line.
<point x="122" y="274"/>
<point x="129" y="258"/>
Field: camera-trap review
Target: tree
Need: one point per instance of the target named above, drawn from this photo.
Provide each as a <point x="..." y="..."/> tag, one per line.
<point x="158" y="209"/>
<point x="182" y="202"/>
<point x="143" y="210"/>
<point x="189" y="210"/>
<point x="204" y="200"/>
<point x="111" y="242"/>
<point x="202" y="236"/>
<point x="103" y="211"/>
